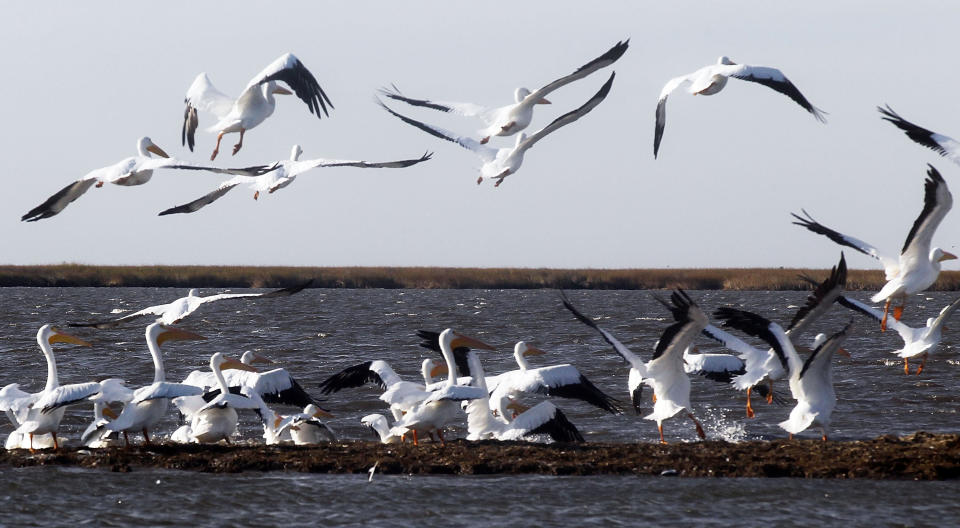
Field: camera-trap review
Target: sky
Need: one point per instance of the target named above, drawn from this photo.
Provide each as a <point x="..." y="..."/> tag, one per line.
<point x="85" y="80"/>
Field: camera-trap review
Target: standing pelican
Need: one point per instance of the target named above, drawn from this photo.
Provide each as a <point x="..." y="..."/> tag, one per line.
<point x="711" y="79"/>
<point x="306" y="428"/>
<point x="40" y="413"/>
<point x="500" y="163"/>
<point x="510" y="119"/>
<point x="216" y="419"/>
<point x="150" y="403"/>
<point x="254" y="105"/>
<point x="918" y="266"/>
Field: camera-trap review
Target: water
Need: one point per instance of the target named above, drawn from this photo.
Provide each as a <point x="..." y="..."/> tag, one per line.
<point x="318" y="332"/>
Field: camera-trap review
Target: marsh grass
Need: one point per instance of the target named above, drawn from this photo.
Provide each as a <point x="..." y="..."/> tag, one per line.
<point x="66" y="275"/>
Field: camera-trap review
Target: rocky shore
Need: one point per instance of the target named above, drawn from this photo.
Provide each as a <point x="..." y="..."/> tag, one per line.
<point x="921" y="456"/>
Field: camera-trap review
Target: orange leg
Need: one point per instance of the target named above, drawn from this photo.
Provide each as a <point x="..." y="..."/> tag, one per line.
<point x="415" y="441"/>
<point x="700" y="433"/>
<point x="790" y="437"/>
<point x="146" y="437"/>
<point x="750" y="413"/>
<point x="238" y="146"/>
<point x="440" y="435"/>
<point x="56" y="446"/>
<point x="99" y="184"/>
<point x="660" y="429"/>
<point x="480" y="179"/>
<point x="31" y="443"/>
<point x="654" y="397"/>
<point x="883" y="322"/>
<point x="256" y="195"/>
<point x="770" y="394"/>
<point x="906" y="365"/>
<point x="484" y="140"/>
<point x="898" y="310"/>
<point x="923" y="363"/>
<point x="216" y="150"/>
<point x="824" y="437"/>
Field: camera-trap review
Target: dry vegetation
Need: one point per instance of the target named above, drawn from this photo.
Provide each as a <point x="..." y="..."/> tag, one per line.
<point x="65" y="275"/>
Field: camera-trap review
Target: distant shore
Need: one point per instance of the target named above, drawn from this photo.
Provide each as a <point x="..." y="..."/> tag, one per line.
<point x="74" y="275"/>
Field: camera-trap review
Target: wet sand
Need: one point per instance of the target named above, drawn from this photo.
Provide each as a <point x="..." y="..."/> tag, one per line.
<point x="921" y="456"/>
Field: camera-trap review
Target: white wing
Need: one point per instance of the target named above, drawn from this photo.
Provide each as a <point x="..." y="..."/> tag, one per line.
<point x="164" y="389"/>
<point x="66" y="395"/>
<point x="771" y="78"/>
<point x="608" y="58"/>
<point x="288" y="69"/>
<point x="661" y="117"/>
<point x="486" y="153"/>
<point x="303" y="166"/>
<point x="569" y="117"/>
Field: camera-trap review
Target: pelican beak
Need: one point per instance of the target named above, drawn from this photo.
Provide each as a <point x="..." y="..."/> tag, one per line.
<point x="533" y="351"/>
<point x="438" y="370"/>
<point x="322" y="414"/>
<point x="461" y="340"/>
<point x="282" y="91"/>
<point x="543" y="101"/>
<point x="175" y="334"/>
<point x="947" y="256"/>
<point x="157" y="150"/>
<point x="843" y="352"/>
<point x="230" y="363"/>
<point x="261" y="359"/>
<point x="108" y="412"/>
<point x="60" y="337"/>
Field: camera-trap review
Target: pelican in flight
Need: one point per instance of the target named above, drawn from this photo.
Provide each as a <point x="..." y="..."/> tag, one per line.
<point x="150" y="403"/>
<point x="135" y="170"/>
<point x="500" y="163"/>
<point x="510" y="119"/>
<point x="918" y="265"/>
<point x="40" y="413"/>
<point x="255" y="104"/>
<point x="711" y="79"/>
<point x="281" y="174"/>
<point x="917" y="341"/>
<point x="811" y="381"/>
<point x="177" y="310"/>
<point x="945" y="146"/>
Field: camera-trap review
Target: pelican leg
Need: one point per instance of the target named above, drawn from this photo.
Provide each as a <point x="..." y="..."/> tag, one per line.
<point x="906" y="366"/>
<point x="31" y="443"/>
<point x="750" y="413"/>
<point x="500" y="177"/>
<point x="440" y="435"/>
<point x="56" y="446"/>
<point x="480" y="179"/>
<point x="483" y="141"/>
<point x="898" y="310"/>
<point x="126" y="439"/>
<point x="99" y="184"/>
<point x="508" y="126"/>
<point x="146" y="437"/>
<point x="415" y="442"/>
<point x="824" y="437"/>
<point x="790" y="437"/>
<point x="883" y="322"/>
<point x="257" y="195"/>
<point x="700" y="433"/>
<point x="660" y="430"/>
<point x="923" y="363"/>
<point x="239" y="145"/>
<point x="654" y="397"/>
<point x="216" y="150"/>
<point x="770" y="394"/>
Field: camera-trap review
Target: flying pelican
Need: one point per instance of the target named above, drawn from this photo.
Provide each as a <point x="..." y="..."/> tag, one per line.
<point x="40" y="413"/>
<point x="442" y="406"/>
<point x="216" y="419"/>
<point x="543" y="418"/>
<point x="918" y="266"/>
<point x="401" y="395"/>
<point x="306" y="428"/>
<point x="510" y="119"/>
<point x="135" y="170"/>
<point x="919" y="341"/>
<point x="564" y="381"/>
<point x="281" y="174"/>
<point x="711" y="79"/>
<point x="177" y="310"/>
<point x="811" y="381"/>
<point x="500" y="163"/>
<point x="150" y="403"/>
<point x="255" y="104"/>
<point x="111" y="390"/>
<point x="944" y="145"/>
<point x="664" y="372"/>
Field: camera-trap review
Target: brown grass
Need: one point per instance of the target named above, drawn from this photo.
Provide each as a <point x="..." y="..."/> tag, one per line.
<point x="422" y="277"/>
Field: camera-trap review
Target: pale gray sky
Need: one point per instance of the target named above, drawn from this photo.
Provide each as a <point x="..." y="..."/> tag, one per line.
<point x="85" y="80"/>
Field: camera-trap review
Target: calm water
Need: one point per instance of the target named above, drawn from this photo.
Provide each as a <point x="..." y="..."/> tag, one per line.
<point x="318" y="332"/>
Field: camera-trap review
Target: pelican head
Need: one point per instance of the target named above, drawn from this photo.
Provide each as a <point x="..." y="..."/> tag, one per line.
<point x="523" y="349"/>
<point x="316" y="412"/>
<point x="453" y="339"/>
<point x="250" y="357"/>
<point x="725" y="60"/>
<point x="162" y="333"/>
<point x="221" y="362"/>
<point x="49" y="334"/>
<point x="431" y="369"/>
<point x="146" y="145"/>
<point x="295" y="153"/>
<point x="939" y="255"/>
<point x="521" y="94"/>
<point x="193" y="293"/>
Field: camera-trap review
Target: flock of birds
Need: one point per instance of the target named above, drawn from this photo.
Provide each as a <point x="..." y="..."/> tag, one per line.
<point x="209" y="399"/>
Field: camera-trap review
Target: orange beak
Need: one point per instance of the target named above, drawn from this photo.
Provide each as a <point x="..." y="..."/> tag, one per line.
<point x="461" y="340"/>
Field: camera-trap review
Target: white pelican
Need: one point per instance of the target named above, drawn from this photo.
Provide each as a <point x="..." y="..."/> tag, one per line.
<point x="381" y="427"/>
<point x="255" y="104"/>
<point x="543" y="418"/>
<point x="401" y="395"/>
<point x="217" y="418"/>
<point x="135" y="170"/>
<point x="944" y="145"/>
<point x="150" y="403"/>
<point x="111" y="390"/>
<point x="919" y="341"/>
<point x="11" y="398"/>
<point x="665" y="372"/>
<point x="442" y="406"/>
<point x="273" y="386"/>
<point x="918" y="266"/>
<point x="175" y="311"/>
<point x="811" y="381"/>
<point x="564" y="381"/>
<point x="305" y="428"/>
<point x="510" y="119"/>
<point x="40" y="413"/>
<point x="281" y="174"/>
<point x="500" y="163"/>
<point x="711" y="79"/>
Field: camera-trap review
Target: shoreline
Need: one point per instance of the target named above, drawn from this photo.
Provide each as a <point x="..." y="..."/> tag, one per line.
<point x="920" y="456"/>
<point x="77" y="275"/>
